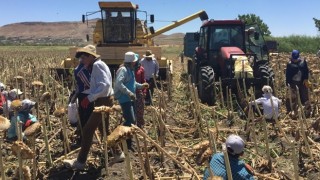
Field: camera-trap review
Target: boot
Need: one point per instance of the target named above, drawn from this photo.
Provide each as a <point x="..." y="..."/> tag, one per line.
<point x="129" y="144"/>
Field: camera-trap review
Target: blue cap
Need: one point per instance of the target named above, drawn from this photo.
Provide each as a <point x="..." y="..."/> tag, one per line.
<point x="295" y="54"/>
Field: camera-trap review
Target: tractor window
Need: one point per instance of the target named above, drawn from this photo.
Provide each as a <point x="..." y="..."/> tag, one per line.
<point x="219" y="38"/>
<point x="226" y="36"/>
<point x="255" y="42"/>
<point x="118" y="25"/>
<point x="203" y="38"/>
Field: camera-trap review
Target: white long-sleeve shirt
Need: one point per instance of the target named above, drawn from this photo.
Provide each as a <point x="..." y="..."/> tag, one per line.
<point x="265" y="101"/>
<point x="100" y="82"/>
<point x="151" y="67"/>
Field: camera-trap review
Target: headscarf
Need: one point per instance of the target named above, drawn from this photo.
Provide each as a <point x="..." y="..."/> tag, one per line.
<point x="27" y="105"/>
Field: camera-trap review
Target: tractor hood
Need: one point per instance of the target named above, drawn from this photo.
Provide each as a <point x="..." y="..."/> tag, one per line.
<point x="226" y="52"/>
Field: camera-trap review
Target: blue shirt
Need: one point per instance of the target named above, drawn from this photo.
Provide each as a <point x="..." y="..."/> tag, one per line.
<point x="238" y="169"/>
<point x="23" y="117"/>
<point x="82" y="76"/>
<point x="125" y="84"/>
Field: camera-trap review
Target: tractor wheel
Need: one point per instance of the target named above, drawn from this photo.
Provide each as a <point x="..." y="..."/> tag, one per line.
<point x="267" y="75"/>
<point x="206" y="85"/>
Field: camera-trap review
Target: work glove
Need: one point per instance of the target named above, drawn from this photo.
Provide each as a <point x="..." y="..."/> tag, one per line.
<point x="132" y="96"/>
<point x="85" y="102"/>
<point x="28" y="123"/>
<point x="145" y="85"/>
<point x="307" y="83"/>
<point x="249" y="169"/>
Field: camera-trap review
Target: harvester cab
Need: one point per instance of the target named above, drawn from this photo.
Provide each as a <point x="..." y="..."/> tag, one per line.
<point x="229" y="51"/>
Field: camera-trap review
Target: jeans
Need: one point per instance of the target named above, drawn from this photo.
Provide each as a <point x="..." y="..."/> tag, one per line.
<point x="303" y="91"/>
<point x="128" y="113"/>
<point x="84" y="114"/>
<point x="93" y="123"/>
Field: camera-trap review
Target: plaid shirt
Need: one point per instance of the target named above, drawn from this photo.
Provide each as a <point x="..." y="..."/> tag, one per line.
<point x="238" y="169"/>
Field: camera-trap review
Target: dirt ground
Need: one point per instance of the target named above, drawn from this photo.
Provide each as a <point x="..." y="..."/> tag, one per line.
<point x="180" y="132"/>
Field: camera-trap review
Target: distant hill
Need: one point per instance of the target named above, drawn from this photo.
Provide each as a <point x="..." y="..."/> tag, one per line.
<point x="63" y="33"/>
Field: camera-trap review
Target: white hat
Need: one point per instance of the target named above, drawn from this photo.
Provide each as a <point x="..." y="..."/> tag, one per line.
<point x="235" y="143"/>
<point x="266" y="89"/>
<point x="130" y="57"/>
<point x="2" y="86"/>
<point x="13" y="93"/>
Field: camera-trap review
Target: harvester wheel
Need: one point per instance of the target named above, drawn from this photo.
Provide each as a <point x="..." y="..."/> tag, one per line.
<point x="206" y="85"/>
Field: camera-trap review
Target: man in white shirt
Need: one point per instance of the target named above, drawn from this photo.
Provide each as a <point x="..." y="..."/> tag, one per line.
<point x="151" y="70"/>
<point x="269" y="113"/>
<point x="101" y="93"/>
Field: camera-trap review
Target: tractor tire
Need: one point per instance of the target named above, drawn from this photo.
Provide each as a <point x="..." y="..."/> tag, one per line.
<point x="206" y="85"/>
<point x="267" y="75"/>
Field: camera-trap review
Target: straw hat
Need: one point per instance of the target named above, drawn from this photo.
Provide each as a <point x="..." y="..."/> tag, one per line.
<point x="14" y="93"/>
<point x="89" y="49"/>
<point x="148" y="54"/>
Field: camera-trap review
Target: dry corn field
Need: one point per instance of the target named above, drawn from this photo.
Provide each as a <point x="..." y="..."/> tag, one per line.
<point x="175" y="143"/>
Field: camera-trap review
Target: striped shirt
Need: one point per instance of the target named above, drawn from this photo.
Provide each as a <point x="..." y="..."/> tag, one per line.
<point x="82" y="76"/>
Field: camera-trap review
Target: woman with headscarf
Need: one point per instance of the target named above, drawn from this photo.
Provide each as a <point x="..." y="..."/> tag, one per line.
<point x="24" y="116"/>
<point x="140" y="93"/>
<point x="125" y="90"/>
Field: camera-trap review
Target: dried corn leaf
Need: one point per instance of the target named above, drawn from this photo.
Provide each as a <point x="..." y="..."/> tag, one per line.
<point x="26" y="152"/>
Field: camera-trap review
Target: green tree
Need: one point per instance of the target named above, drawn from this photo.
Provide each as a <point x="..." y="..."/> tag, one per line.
<point x="253" y="19"/>
<point x="317" y="23"/>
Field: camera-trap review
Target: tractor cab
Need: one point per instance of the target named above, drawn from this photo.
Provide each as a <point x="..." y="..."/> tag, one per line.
<point x="118" y="23"/>
<point x="255" y="43"/>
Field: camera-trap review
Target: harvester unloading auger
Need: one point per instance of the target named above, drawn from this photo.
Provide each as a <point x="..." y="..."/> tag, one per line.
<point x="120" y="30"/>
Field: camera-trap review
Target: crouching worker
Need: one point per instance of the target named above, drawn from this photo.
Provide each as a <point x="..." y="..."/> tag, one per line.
<point x="24" y="116"/>
<point x="125" y="90"/>
<point x="239" y="169"/>
<point x="265" y="101"/>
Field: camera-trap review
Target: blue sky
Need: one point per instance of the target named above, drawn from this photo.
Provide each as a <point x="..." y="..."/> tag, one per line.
<point x="284" y="17"/>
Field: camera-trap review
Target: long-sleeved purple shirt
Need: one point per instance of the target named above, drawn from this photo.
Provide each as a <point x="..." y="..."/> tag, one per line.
<point x="151" y="67"/>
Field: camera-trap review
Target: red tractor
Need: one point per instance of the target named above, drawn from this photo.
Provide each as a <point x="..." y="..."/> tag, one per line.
<point x="229" y="50"/>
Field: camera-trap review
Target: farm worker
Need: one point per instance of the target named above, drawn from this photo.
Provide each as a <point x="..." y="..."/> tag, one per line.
<point x="25" y="116"/>
<point x="151" y="67"/>
<point x="2" y="97"/>
<point x="318" y="53"/>
<point x="125" y="89"/>
<point x="13" y="94"/>
<point x="239" y="169"/>
<point x="101" y="94"/>
<point x="140" y="93"/>
<point x="269" y="113"/>
<point x="297" y="74"/>
<point x="82" y="76"/>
